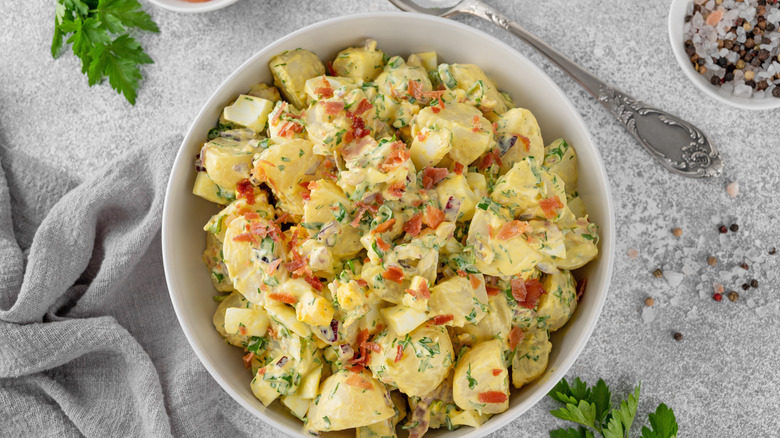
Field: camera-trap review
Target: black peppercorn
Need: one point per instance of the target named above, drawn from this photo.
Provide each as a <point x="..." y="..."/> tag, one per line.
<point x="745" y="286"/>
<point x="734" y="227"/>
<point x="723" y="62"/>
<point x="754" y="283"/>
<point x="678" y="337"/>
<point x="715" y="80"/>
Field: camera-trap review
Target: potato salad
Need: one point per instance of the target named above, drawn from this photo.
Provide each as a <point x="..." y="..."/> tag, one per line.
<point x="395" y="243"/>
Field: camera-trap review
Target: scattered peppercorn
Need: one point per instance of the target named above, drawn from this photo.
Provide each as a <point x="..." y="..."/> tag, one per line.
<point x="723" y="229"/>
<point x="649" y="302"/>
<point x="712" y="260"/>
<point x="773" y="251"/>
<point x="678" y="337"/>
<point x="754" y="283"/>
<point x="733" y="296"/>
<point x="744" y="266"/>
<point x="658" y="273"/>
<point x="677" y="232"/>
<point x="734" y="228"/>
<point x="745" y="286"/>
<point x="717" y="297"/>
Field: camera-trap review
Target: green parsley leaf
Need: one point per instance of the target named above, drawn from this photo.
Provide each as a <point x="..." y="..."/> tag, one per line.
<point x="95" y="30"/>
<point x="583" y="413"/>
<point x="663" y="422"/>
<point x="581" y="432"/>
<point x="620" y="419"/>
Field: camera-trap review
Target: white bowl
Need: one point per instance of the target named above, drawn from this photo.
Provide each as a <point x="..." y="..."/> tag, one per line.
<point x="192" y="7"/>
<point x="183" y="239"/>
<point x="677" y="12"/>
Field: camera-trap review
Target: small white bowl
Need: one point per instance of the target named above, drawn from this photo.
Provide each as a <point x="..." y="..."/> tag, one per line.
<point x="192" y="7"/>
<point x="183" y="238"/>
<point x="677" y="12"/>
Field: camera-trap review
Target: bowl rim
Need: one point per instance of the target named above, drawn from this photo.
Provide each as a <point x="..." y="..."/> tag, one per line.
<point x="190" y="7"/>
<point x="675" y="21"/>
<point x="607" y="243"/>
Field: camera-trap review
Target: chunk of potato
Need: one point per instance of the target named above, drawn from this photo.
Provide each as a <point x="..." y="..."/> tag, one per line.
<point x="284" y="167"/>
<point x="560" y="159"/>
<point x="248" y="322"/>
<point x="426" y="358"/>
<point x="481" y="378"/>
<point x="530" y="359"/>
<point x="291" y="69"/>
<point x="349" y="400"/>
<point x="560" y="301"/>
<point x="459" y="126"/>
<point x="363" y="63"/>
<point x="458" y="296"/>
<point x="248" y="111"/>
<point x="518" y="136"/>
<point x="480" y="90"/>
<point x="227" y="161"/>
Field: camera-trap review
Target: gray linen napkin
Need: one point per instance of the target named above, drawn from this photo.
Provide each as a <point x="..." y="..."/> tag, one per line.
<point x="89" y="343"/>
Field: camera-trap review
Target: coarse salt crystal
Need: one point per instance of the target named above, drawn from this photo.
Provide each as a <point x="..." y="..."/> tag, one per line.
<point x="751" y="303"/>
<point x="718" y="288"/>
<point x="733" y="189"/>
<point x="648" y="315"/>
<point x="674" y="278"/>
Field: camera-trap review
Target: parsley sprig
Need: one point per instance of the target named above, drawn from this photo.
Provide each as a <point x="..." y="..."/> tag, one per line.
<point x="592" y="407"/>
<point x="97" y="31"/>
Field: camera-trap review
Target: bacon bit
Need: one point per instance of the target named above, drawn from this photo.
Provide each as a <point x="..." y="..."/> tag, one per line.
<point x="433" y="94"/>
<point x="273" y="266"/>
<point x="262" y="230"/>
<point x="461" y="273"/>
<point x="442" y="319"/>
<point x="415" y="89"/>
<point x="306" y="196"/>
<point x="266" y="162"/>
<point x="495" y="127"/>
<point x="581" y="288"/>
<point x="397" y="189"/>
<point x="512" y="229"/>
<point x="497" y="371"/>
<point x="357" y="369"/>
<point x="250" y="215"/>
<point x="246" y="190"/>
<point x="435" y="109"/>
<point x="487" y="161"/>
<point x="422" y="135"/>
<point x="458" y="169"/>
<point x="492" y="291"/>
<point x="371" y="346"/>
<point x="331" y="70"/>
<point x="283" y="297"/>
<point x="515" y="336"/>
<point x="474" y="280"/>
<point x="550" y="206"/>
<point x="362" y="107"/>
<point x="399" y="353"/>
<point x="414" y="225"/>
<point x="362" y="336"/>
<point x="433" y="217"/>
<point x="534" y="291"/>
<point x="242" y="330"/>
<point x="248" y="357"/>
<point x="525" y="140"/>
<point x="477" y="126"/>
<point x="398" y="155"/>
<point x="384" y="246"/>
<point x="394" y="274"/>
<point x="518" y="289"/>
<point x="324" y="92"/>
<point x="244" y="237"/>
<point x="278" y="114"/>
<point x="298" y="266"/>
<point x="422" y="293"/>
<point x="314" y="282"/>
<point x="261" y="371"/>
<point x="333" y="108"/>
<point x="492" y="397"/>
<point x="432" y="176"/>
<point x="359" y="382"/>
<point x="384" y="226"/>
<point x="361" y="282"/>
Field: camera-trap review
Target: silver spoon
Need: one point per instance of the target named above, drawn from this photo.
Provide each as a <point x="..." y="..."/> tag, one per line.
<point x="676" y="144"/>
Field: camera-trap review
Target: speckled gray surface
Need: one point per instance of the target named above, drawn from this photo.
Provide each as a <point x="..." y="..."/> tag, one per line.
<point x="721" y="380"/>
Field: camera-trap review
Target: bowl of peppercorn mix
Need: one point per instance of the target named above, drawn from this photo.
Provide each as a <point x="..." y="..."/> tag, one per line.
<point x="730" y="49"/>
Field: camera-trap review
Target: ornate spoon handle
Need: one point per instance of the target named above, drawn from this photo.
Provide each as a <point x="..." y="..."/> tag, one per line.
<point x="676" y="144"/>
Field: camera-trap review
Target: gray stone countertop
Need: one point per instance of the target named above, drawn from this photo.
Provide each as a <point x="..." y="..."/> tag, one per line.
<point x="721" y="379"/>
